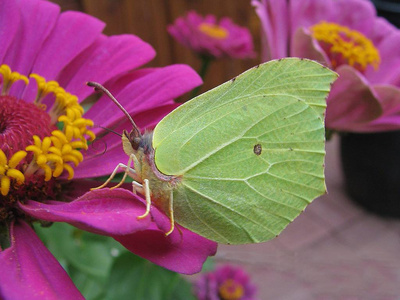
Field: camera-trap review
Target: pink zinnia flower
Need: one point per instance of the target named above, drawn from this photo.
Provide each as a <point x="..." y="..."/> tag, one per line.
<point x="209" y="37"/>
<point x="225" y="283"/>
<point x="347" y="36"/>
<point x="45" y="59"/>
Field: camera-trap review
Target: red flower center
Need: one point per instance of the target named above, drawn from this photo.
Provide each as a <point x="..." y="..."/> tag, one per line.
<point x="19" y="121"/>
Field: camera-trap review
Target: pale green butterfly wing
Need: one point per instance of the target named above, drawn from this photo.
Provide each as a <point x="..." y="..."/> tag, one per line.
<point x="231" y="193"/>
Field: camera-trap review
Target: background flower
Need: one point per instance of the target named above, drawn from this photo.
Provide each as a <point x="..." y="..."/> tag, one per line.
<point x="345" y="35"/>
<point x="66" y="50"/>
<point x="225" y="283"/>
<point x="209" y="37"/>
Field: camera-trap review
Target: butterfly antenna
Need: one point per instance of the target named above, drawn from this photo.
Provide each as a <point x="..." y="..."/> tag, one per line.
<point x="109" y="130"/>
<point x="99" y="87"/>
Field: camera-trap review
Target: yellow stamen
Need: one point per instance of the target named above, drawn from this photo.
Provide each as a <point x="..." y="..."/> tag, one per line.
<point x="214" y="31"/>
<point x="231" y="290"/>
<point x="55" y="153"/>
<point x="76" y="128"/>
<point x="44" y="88"/>
<point x="46" y="156"/>
<point x="9" y="78"/>
<point x="8" y="171"/>
<point x="346" y="46"/>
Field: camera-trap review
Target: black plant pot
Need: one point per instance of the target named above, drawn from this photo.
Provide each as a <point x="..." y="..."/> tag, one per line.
<point x="371" y="162"/>
<point x="371" y="167"/>
<point x="389" y="9"/>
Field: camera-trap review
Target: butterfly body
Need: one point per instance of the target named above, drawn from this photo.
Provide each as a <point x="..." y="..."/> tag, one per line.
<point x="161" y="185"/>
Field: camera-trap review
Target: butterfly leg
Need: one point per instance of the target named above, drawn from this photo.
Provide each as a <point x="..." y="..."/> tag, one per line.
<point x="128" y="171"/>
<point x="171" y="213"/>
<point x="148" y="198"/>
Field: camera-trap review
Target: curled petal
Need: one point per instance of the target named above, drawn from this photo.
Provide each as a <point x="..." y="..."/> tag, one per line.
<point x="351" y="102"/>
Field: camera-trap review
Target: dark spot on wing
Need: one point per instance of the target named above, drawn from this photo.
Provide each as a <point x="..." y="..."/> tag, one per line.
<point x="257" y="149"/>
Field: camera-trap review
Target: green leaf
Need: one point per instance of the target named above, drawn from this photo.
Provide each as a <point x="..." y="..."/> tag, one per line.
<point x="137" y="279"/>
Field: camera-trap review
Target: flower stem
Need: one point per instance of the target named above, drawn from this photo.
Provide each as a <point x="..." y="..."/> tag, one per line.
<point x="205" y="63"/>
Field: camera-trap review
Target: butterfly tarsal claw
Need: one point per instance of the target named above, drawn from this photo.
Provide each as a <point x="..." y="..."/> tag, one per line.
<point x="148" y="199"/>
<point x="171" y="214"/>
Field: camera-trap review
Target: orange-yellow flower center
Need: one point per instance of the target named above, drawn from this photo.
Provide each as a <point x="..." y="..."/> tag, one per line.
<point x="231" y="290"/>
<point x="346" y="46"/>
<point x="214" y="31"/>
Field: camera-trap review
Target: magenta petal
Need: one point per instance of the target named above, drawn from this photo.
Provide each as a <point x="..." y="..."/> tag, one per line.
<point x="29" y="270"/>
<point x="104" y="211"/>
<point x="73" y="33"/>
<point x="103" y="163"/>
<point x="38" y="19"/>
<point x="152" y="90"/>
<point x="186" y="257"/>
<point x="109" y="57"/>
<point x="351" y="101"/>
<point x="182" y="251"/>
<point x="9" y="22"/>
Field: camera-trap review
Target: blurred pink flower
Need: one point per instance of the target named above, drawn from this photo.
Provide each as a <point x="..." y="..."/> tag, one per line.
<point x="225" y="283"/>
<point x="208" y="37"/>
<point x="347" y="36"/>
<point x="37" y="159"/>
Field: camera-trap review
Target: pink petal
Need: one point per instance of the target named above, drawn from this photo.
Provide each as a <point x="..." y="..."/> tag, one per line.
<point x="104" y="211"/>
<point x="390" y="119"/>
<point x="303" y="45"/>
<point x="29" y="270"/>
<point x="389" y="69"/>
<point x="381" y="30"/>
<point x="275" y="26"/>
<point x="306" y="13"/>
<point x="351" y="101"/>
<point x="182" y="251"/>
<point x="356" y="14"/>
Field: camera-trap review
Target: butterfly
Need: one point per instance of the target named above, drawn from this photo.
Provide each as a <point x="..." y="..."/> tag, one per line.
<point x="240" y="162"/>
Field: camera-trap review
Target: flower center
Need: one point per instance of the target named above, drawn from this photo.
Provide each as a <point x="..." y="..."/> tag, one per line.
<point x="214" y="31"/>
<point x="231" y="290"/>
<point x="19" y="121"/>
<point x="37" y="143"/>
<point x="346" y="46"/>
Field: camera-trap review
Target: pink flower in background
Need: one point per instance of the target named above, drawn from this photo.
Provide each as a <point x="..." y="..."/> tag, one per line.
<point x="225" y="283"/>
<point x="347" y="36"/>
<point x="45" y="59"/>
<point x="209" y="37"/>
